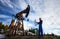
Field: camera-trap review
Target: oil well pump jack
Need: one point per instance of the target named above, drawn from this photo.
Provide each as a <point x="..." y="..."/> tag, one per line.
<point x="20" y="18"/>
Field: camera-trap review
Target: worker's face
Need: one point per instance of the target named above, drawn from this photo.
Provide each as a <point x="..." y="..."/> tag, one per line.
<point x="39" y="19"/>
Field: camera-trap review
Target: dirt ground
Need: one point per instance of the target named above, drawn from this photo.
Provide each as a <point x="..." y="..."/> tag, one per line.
<point x="30" y="37"/>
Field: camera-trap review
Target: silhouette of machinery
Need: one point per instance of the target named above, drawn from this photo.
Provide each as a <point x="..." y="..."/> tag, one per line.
<point x="20" y="18"/>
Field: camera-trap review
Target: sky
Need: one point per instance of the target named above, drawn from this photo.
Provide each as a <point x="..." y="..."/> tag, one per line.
<point x="48" y="10"/>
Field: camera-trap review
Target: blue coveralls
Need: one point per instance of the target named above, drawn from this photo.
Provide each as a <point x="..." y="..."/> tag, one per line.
<point x="40" y="32"/>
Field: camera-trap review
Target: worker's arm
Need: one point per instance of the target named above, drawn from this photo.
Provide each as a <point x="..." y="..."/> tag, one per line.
<point x="36" y="23"/>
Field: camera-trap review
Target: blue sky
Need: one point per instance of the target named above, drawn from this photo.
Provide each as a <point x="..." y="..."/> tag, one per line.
<point x="48" y="10"/>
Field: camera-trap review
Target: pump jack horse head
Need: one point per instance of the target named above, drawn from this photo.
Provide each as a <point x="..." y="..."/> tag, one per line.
<point x="20" y="14"/>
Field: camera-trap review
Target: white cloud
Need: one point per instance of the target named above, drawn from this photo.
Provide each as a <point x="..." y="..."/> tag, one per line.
<point x="22" y="4"/>
<point x="7" y="2"/>
<point x="4" y="16"/>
